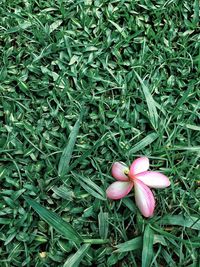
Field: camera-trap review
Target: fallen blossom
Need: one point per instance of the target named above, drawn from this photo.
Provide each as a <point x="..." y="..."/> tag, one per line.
<point x="141" y="179"/>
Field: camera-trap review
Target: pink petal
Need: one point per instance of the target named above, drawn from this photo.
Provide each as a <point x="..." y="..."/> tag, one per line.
<point x="144" y="198"/>
<point x="119" y="171"/>
<point x="139" y="165"/>
<point x="153" y="179"/>
<point x="119" y="189"/>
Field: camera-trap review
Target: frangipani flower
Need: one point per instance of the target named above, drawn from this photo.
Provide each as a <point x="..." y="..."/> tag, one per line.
<point x="141" y="179"/>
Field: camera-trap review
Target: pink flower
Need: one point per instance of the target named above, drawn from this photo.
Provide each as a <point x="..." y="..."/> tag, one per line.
<point x="141" y="179"/>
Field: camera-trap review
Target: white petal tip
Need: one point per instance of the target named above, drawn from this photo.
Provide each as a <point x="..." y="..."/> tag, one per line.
<point x="118" y="190"/>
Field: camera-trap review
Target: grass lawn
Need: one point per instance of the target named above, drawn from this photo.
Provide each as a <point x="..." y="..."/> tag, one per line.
<point x="83" y="84"/>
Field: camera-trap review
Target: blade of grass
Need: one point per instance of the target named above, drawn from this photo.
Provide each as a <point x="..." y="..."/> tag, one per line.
<point x="147" y="140"/>
<point x="63" y="192"/>
<point x="67" y="152"/>
<point x="167" y="257"/>
<point x="159" y="239"/>
<point x="20" y="27"/>
<point x="195" y="242"/>
<point x="90" y="187"/>
<point x="5" y="221"/>
<point x="133" y="244"/>
<point x="103" y="224"/>
<point x="185" y="221"/>
<point x="150" y="103"/>
<point x="120" y="29"/>
<point x="147" y="250"/>
<point x="196" y="12"/>
<point x="96" y="241"/>
<point x="182" y="100"/>
<point x="74" y="260"/>
<point x="61" y="226"/>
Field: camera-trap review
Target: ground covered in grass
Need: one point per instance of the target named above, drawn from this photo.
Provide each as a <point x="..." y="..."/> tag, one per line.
<point x="103" y="81"/>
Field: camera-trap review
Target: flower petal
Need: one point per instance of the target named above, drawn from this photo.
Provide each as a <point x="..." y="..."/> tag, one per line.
<point x="144" y="198"/>
<point x="119" y="189"/>
<point x="119" y="171"/>
<point x="139" y="165"/>
<point x="153" y="179"/>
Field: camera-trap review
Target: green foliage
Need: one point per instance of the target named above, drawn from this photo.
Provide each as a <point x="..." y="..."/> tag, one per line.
<point x="84" y="84"/>
<point x="61" y="226"/>
<point x="74" y="260"/>
<point x="67" y="152"/>
<point x="147" y="249"/>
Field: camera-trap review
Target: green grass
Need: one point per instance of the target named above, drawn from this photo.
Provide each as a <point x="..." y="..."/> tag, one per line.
<point x="90" y="83"/>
